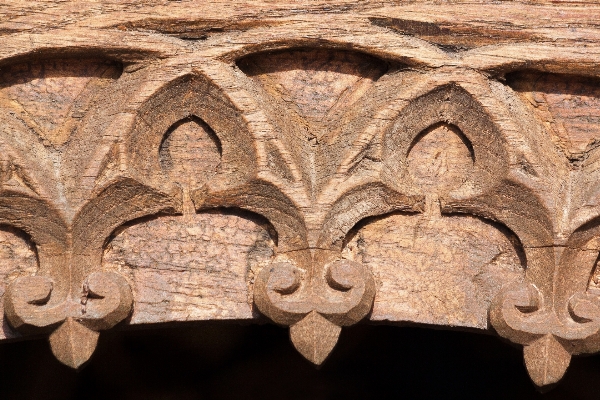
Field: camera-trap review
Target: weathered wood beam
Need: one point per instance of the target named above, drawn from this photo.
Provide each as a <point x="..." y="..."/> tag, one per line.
<point x="317" y="163"/>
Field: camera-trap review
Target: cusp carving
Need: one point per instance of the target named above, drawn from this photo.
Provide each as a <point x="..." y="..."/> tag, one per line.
<point x="69" y="198"/>
<point x="316" y="131"/>
<point x="301" y="185"/>
<point x="315" y="301"/>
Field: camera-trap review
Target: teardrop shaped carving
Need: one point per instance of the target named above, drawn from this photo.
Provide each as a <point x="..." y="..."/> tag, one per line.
<point x="315" y="337"/>
<point x="190" y="152"/>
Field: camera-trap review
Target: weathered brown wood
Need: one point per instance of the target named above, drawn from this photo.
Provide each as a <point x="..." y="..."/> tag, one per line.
<point x="315" y="163"/>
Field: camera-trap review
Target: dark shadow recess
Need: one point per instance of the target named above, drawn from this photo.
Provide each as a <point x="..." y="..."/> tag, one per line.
<point x="220" y="360"/>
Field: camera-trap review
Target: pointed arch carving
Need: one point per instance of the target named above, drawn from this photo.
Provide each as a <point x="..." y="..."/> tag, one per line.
<point x="68" y="218"/>
<point x="312" y="131"/>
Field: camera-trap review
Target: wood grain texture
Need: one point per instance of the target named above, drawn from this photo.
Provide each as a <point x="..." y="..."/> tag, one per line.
<point x="315" y="163"/>
<point x="187" y="269"/>
<point x="441" y="270"/>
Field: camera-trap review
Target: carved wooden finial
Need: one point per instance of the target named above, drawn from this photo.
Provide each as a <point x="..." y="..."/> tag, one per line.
<point x="66" y="209"/>
<point x="546" y="360"/>
<point x="315" y="301"/>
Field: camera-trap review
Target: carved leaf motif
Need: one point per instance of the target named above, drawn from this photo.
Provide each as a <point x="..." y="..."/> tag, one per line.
<point x="564" y="109"/>
<point x="308" y="96"/>
<point x="56" y="99"/>
<point x="73" y="344"/>
<point x="337" y="198"/>
<point x="560" y="322"/>
<point x="314" y="337"/>
<point x="65" y="199"/>
<point x="546" y="360"/>
<point x="315" y="153"/>
<point x="566" y="105"/>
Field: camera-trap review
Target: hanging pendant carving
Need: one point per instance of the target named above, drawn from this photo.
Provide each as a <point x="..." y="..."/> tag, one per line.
<point x="315" y="301"/>
<point x="304" y="138"/>
<point x="308" y="286"/>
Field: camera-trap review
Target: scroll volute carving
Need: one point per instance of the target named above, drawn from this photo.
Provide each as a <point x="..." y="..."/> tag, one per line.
<point x="555" y="313"/>
<point x="57" y="126"/>
<point x="315" y="293"/>
<point x="310" y="100"/>
<point x="498" y="186"/>
<point x="335" y="173"/>
<point x="313" y="290"/>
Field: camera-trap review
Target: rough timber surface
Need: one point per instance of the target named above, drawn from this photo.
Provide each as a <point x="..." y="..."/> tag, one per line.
<point x="318" y="163"/>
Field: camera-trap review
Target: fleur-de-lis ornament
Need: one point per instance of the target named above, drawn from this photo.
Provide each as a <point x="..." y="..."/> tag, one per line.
<point x="313" y="180"/>
<point x="71" y="196"/>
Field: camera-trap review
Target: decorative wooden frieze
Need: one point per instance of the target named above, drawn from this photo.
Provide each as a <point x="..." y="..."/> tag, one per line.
<point x="316" y="164"/>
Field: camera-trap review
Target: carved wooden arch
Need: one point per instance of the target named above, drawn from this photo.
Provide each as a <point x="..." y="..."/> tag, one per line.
<point x="313" y="165"/>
